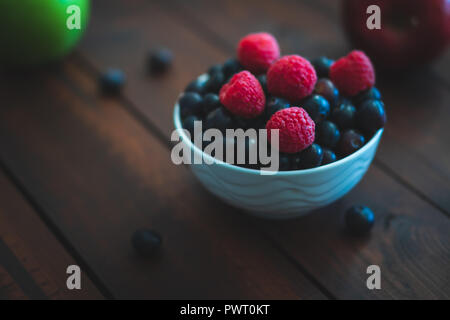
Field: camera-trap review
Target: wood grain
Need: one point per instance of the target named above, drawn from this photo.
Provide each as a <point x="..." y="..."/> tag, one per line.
<point x="99" y="175"/>
<point x="32" y="261"/>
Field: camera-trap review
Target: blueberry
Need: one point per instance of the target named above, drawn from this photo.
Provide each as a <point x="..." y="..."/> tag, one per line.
<point x="188" y="124"/>
<point x="371" y="116"/>
<point x="160" y="60"/>
<point x="359" y="220"/>
<point x="275" y="104"/>
<point x="350" y="141"/>
<point x="211" y="101"/>
<point x="344" y="115"/>
<point x="230" y="67"/>
<point x="317" y="107"/>
<point x="309" y="158"/>
<point x="215" y="68"/>
<point x="326" y="89"/>
<point x="190" y="103"/>
<point x="285" y="162"/>
<point x="322" y="66"/>
<point x="262" y="78"/>
<point x="328" y="156"/>
<point x="215" y="81"/>
<point x="219" y="119"/>
<point x="112" y="81"/>
<point x="328" y="134"/>
<point x="146" y="242"/>
<point x="198" y="86"/>
<point x="369" y="94"/>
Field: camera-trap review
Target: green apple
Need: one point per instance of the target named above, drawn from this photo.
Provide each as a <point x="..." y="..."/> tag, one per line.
<point x="39" y="31"/>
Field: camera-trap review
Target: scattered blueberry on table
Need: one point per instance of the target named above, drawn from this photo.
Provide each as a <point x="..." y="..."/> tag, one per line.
<point x="146" y="242"/>
<point x="359" y="220"/>
<point x="112" y="81"/>
<point x="160" y="60"/>
<point x="325" y="109"/>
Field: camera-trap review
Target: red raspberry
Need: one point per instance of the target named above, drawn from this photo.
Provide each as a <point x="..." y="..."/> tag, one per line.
<point x="257" y="51"/>
<point x="243" y="95"/>
<point x="291" y="77"/>
<point x="296" y="129"/>
<point x="353" y="73"/>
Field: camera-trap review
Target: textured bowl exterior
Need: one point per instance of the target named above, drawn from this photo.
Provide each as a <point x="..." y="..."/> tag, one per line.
<point x="286" y="194"/>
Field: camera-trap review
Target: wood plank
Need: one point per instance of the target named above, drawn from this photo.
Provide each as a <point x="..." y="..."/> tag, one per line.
<point x="9" y="289"/>
<point x="410" y="242"/>
<point x="295" y="33"/>
<point x="99" y="176"/>
<point x="32" y="261"/>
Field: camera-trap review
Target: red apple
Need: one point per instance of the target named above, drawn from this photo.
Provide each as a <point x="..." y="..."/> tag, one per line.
<point x="413" y="32"/>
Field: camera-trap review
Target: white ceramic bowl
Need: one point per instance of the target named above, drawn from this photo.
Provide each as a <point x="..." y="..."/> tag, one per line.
<point x="286" y="194"/>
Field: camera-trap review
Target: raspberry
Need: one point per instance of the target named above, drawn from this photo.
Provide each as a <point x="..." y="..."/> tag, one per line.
<point x="243" y="95"/>
<point x="296" y="129"/>
<point x="353" y="73"/>
<point x="291" y="77"/>
<point x="257" y="51"/>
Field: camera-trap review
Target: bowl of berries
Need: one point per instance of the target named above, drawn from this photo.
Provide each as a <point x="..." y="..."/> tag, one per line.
<point x="280" y="136"/>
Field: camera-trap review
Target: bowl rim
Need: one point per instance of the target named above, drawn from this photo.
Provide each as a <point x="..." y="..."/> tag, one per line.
<point x="179" y="128"/>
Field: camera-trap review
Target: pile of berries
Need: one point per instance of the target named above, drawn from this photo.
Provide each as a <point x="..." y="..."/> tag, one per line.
<point x="324" y="109"/>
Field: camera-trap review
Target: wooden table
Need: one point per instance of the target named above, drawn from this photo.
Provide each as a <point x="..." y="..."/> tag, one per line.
<point x="80" y="172"/>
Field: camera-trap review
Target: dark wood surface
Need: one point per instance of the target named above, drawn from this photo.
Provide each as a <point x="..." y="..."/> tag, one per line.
<point x="81" y="172"/>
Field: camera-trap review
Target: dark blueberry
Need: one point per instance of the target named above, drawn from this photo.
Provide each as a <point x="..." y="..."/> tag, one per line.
<point x="344" y="100"/>
<point x="317" y="107"/>
<point x="285" y="162"/>
<point x="215" y="81"/>
<point x="327" y="134"/>
<point x="344" y="115"/>
<point x="262" y="78"/>
<point x="369" y="94"/>
<point x="371" y="116"/>
<point x="230" y="67"/>
<point x="350" y="142"/>
<point x="359" y="220"/>
<point x="198" y="86"/>
<point x="326" y="89"/>
<point x="160" y="60"/>
<point x="328" y="156"/>
<point x="322" y="66"/>
<point x="258" y="122"/>
<point x="211" y="101"/>
<point x="275" y="104"/>
<point x="190" y="103"/>
<point x="112" y="81"/>
<point x="311" y="157"/>
<point x="219" y="119"/>
<point x="146" y="242"/>
<point x="188" y="124"/>
<point x="215" y="68"/>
